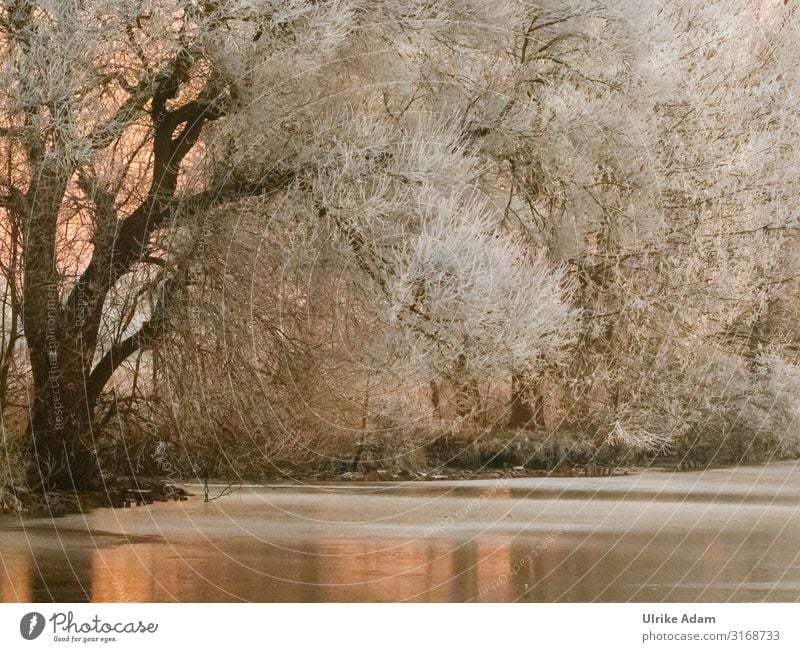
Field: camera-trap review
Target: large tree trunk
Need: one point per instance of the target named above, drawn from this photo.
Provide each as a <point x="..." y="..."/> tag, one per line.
<point x="59" y="434"/>
<point x="59" y="427"/>
<point x="57" y="462"/>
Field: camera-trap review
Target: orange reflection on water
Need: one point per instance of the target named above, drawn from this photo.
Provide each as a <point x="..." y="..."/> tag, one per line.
<point x="15" y="585"/>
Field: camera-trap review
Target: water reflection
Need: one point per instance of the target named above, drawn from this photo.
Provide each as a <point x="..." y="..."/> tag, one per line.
<point x="491" y="570"/>
<point x="15" y="585"/>
<point x="341" y="546"/>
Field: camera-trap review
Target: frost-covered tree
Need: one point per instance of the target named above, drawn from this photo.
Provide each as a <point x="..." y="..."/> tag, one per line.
<point x="591" y="197"/>
<point x="105" y="111"/>
<point x="664" y="169"/>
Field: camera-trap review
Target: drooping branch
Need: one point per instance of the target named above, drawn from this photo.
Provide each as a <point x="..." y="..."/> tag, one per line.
<point x="152" y="328"/>
<point x="117" y="354"/>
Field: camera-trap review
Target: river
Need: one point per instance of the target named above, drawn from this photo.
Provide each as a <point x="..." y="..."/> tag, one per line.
<point x="717" y="535"/>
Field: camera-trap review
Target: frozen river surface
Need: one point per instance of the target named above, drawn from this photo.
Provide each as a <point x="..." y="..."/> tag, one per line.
<point x="719" y="535"/>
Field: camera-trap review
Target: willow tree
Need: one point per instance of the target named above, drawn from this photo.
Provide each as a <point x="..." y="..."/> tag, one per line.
<point x="125" y="125"/>
<point x="104" y="108"/>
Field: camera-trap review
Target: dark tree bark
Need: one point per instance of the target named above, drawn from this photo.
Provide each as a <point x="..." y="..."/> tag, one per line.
<point x="468" y="396"/>
<point x="527" y="405"/>
<point x="435" y="399"/>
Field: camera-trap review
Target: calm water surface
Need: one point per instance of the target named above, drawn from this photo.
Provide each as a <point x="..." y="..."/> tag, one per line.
<point x="718" y="535"/>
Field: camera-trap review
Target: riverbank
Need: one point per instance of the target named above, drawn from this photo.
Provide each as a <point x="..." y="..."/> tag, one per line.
<point x="510" y="454"/>
<point x="122" y="492"/>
